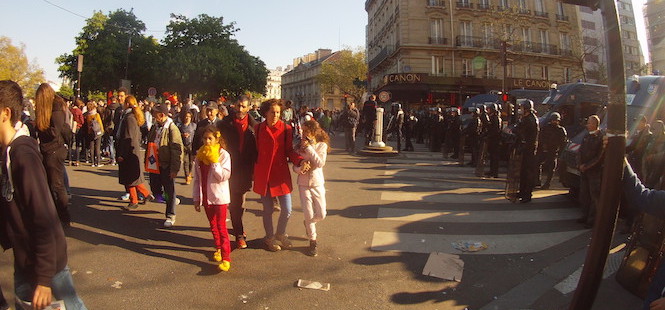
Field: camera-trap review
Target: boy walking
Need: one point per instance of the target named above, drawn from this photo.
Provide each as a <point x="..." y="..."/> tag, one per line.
<point x="28" y="221"/>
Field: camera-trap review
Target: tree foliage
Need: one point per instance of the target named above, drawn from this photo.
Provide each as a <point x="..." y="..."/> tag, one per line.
<point x="198" y="56"/>
<point x="14" y="65"/>
<point x="345" y="71"/>
<point x="201" y="56"/>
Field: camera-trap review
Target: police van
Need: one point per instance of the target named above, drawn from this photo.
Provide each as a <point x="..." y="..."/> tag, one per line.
<point x="645" y="95"/>
<point x="574" y="102"/>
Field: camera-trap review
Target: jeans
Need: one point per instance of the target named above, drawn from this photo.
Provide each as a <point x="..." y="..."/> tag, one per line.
<point x="62" y="287"/>
<point x="236" y="210"/>
<point x="188" y="160"/>
<point x="111" y="148"/>
<point x="350" y="138"/>
<point x="284" y="215"/>
<point x="95" y="153"/>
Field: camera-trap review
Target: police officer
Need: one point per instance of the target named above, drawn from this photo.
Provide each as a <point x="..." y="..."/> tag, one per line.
<point x="551" y="141"/>
<point x="472" y="133"/>
<point x="591" y="169"/>
<point x="397" y="124"/>
<point x="527" y="139"/>
<point x="493" y="138"/>
<point x="410" y="123"/>
<point x="453" y="132"/>
<point x="436" y="131"/>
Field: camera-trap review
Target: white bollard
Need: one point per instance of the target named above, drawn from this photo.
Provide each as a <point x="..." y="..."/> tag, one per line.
<point x="378" y="129"/>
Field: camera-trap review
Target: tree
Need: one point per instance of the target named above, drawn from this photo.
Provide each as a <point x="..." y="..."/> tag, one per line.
<point x="201" y="56"/>
<point x="108" y="54"/>
<point x="65" y="91"/>
<point x="345" y="70"/>
<point x="586" y="45"/>
<point x="14" y="65"/>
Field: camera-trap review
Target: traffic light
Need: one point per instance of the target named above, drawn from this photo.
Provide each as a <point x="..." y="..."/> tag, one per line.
<point x="592" y="4"/>
<point x="504" y="98"/>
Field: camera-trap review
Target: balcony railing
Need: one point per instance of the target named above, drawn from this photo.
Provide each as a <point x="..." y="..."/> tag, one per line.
<point x="464" y="5"/>
<point x="436" y="3"/>
<point x="524" y="11"/>
<point x="438" y="40"/>
<point x="501" y="8"/>
<point x="534" y="47"/>
<point x="484" y="6"/>
<point x="541" y="14"/>
<point x="381" y="56"/>
<point x="562" y="17"/>
<point x="565" y="52"/>
<point x="477" y="42"/>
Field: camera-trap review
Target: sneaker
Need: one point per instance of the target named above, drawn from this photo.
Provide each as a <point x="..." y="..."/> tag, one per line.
<point x="241" y="242"/>
<point x="147" y="199"/>
<point x="270" y="244"/>
<point x="311" y="251"/>
<point x="100" y="165"/>
<point x="131" y="206"/>
<point x="225" y="265"/>
<point x="217" y="256"/>
<point x="177" y="201"/>
<point x="284" y="240"/>
<point x="94" y="166"/>
<point x="170" y="221"/>
<point x="159" y="199"/>
<point x="124" y="197"/>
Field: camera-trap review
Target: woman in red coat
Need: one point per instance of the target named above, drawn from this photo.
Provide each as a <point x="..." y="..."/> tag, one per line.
<point x="272" y="178"/>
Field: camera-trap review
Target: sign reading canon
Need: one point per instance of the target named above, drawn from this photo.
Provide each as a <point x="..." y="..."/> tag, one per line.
<point x="513" y="83"/>
<point x="401" y="78"/>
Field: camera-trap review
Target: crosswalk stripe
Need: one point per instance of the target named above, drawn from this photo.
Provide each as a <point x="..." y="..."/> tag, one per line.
<point x="461" y="195"/>
<point x="496" y="244"/>
<point x="502" y="216"/>
<point x="442" y="184"/>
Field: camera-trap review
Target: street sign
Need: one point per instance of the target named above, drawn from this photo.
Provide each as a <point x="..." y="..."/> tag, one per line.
<point x="79" y="66"/>
<point x="384" y="96"/>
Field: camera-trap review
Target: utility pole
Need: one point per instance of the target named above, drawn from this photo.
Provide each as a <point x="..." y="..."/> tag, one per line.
<point x="79" y="68"/>
<point x="610" y="191"/>
<point x="504" y="63"/>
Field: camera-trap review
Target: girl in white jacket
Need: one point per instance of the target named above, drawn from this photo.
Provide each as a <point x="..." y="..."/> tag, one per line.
<point x="211" y="190"/>
<point x="314" y="149"/>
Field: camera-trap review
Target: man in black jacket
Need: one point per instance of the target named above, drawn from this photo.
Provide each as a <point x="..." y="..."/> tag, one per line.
<point x="591" y="157"/>
<point x="527" y="139"/>
<point x="493" y="138"/>
<point x="211" y="118"/>
<point x="29" y="222"/>
<point x="238" y="131"/>
<point x="551" y="141"/>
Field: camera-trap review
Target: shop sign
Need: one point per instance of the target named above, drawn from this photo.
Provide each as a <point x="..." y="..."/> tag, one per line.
<point x="528" y="84"/>
<point x="384" y="96"/>
<point x="402" y="78"/>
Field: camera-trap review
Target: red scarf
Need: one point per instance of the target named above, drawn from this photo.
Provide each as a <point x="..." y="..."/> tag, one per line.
<point x="241" y="126"/>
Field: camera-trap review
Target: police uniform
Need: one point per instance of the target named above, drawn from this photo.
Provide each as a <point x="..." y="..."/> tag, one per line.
<point x="493" y="136"/>
<point x="552" y="139"/>
<point x="527" y="139"/>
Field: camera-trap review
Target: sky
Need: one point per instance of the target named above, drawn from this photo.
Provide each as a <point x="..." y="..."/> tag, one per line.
<point x="275" y="31"/>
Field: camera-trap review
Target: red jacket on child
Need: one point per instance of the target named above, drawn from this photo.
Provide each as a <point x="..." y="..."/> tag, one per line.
<point x="275" y="148"/>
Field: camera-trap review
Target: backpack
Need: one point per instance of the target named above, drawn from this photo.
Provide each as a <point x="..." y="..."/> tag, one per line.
<point x="95" y="127"/>
<point x="69" y="121"/>
<point x="347" y="120"/>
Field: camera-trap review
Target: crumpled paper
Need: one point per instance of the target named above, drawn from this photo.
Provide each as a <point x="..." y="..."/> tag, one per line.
<point x="469" y="246"/>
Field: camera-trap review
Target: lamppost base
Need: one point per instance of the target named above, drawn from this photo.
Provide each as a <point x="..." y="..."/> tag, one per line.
<point x="378" y="151"/>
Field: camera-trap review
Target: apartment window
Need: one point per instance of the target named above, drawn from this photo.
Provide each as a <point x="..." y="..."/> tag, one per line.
<point x="523" y="5"/>
<point x="526" y="35"/>
<point x="438" y="65"/>
<point x="565" y="41"/>
<point x="487" y="33"/>
<point x="504" y="4"/>
<point x="588" y="25"/>
<point x="489" y="69"/>
<point x="465" y="32"/>
<point x="559" y="9"/>
<point x="545" y="73"/>
<point x="540" y="6"/>
<point x="545" y="41"/>
<point x="567" y="75"/>
<point x="436" y="31"/>
<point x="467" y="68"/>
<point x="484" y="4"/>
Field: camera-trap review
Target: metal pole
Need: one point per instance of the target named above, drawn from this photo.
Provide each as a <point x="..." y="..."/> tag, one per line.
<point x="78" y="86"/>
<point x="606" y="214"/>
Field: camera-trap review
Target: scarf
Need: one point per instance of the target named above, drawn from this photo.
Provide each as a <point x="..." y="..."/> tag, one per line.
<point x="208" y="154"/>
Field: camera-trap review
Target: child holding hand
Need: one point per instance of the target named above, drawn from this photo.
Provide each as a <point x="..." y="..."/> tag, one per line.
<point x="211" y="190"/>
<point x="314" y="150"/>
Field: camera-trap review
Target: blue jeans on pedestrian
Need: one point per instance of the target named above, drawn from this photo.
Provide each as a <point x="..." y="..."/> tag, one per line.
<point x="111" y="148"/>
<point x="62" y="287"/>
<point x="284" y="215"/>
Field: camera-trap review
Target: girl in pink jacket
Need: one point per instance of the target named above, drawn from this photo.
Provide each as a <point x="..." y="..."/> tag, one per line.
<point x="211" y="190"/>
<point x="313" y="149"/>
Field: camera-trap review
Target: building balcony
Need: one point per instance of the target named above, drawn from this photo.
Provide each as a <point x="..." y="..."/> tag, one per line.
<point x="523" y="11"/>
<point x="438" y="40"/>
<point x="381" y="56"/>
<point x="500" y="8"/>
<point x="533" y="47"/>
<point x="476" y="42"/>
<point x="563" y="18"/>
<point x="483" y="6"/>
<point x="436" y="3"/>
<point x="541" y="14"/>
<point x="464" y="5"/>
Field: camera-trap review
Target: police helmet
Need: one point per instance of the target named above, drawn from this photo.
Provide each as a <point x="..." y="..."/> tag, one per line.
<point x="473" y="110"/>
<point x="454" y="110"/>
<point x="555" y="116"/>
<point x="481" y="108"/>
<point x="492" y="107"/>
<point x="397" y="105"/>
<point x="527" y="105"/>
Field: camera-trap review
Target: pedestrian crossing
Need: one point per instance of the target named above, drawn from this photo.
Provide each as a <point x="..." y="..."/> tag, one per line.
<point x="421" y="189"/>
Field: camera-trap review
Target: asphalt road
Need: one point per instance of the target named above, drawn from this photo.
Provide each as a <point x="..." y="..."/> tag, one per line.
<point x="384" y="218"/>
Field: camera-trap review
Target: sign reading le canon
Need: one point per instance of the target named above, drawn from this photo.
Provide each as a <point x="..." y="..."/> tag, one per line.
<point x="530" y="84"/>
<point x="402" y="78"/>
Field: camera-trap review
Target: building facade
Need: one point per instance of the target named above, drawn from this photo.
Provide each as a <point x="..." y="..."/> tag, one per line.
<point x="274" y="83"/>
<point x="654" y="16"/>
<point x="460" y="53"/>
<point x="301" y="86"/>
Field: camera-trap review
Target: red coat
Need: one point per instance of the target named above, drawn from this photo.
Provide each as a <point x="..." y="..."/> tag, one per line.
<point x="275" y="148"/>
